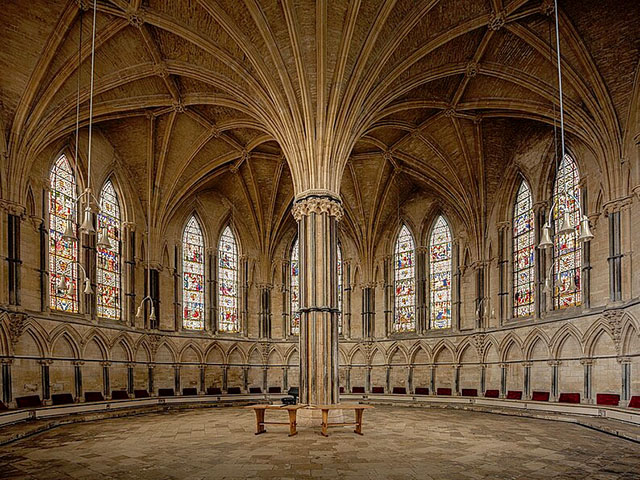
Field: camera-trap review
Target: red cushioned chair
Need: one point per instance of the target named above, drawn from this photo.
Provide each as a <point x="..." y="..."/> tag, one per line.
<point x="140" y="394"/>
<point x="119" y="395"/>
<point x="608" y="399"/>
<point x="30" y="401"/>
<point x="492" y="394"/>
<point x="255" y="390"/>
<point x="274" y="390"/>
<point x="443" y="391"/>
<point x="190" y="391"/>
<point x="357" y="389"/>
<point x="635" y="402"/>
<point x="514" y="395"/>
<point x="469" y="392"/>
<point x="93" y="397"/>
<point x="166" y="392"/>
<point x="399" y="391"/>
<point x="422" y="391"/>
<point x="377" y="390"/>
<point x="569" y="398"/>
<point x="61" y="399"/>
<point x="234" y="391"/>
<point x="341" y="389"/>
<point x="540" y="396"/>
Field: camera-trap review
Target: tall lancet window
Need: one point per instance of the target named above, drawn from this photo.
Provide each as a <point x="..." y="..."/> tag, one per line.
<point x="404" y="281"/>
<point x="108" y="265"/>
<point x="294" y="327"/>
<point x="62" y="253"/>
<point x="567" y="251"/>
<point x="193" y="276"/>
<point x="228" y="320"/>
<point x="523" y="253"/>
<point x="340" y="315"/>
<point x="440" y="274"/>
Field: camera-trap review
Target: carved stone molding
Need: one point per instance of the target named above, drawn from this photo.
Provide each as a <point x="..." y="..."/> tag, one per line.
<point x="317" y="205"/>
<point x="547" y="8"/>
<point x="472" y="69"/>
<point x="479" y="342"/>
<point x="17" y="324"/>
<point x="13" y="208"/>
<point x="614" y="319"/>
<point x="497" y="20"/>
<point x="135" y="19"/>
<point x="154" y="342"/>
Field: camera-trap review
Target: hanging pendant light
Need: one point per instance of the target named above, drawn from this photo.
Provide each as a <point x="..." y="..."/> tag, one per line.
<point x="585" y="230"/>
<point x="545" y="239"/>
<point x="565" y="227"/>
<point x="87" y="286"/>
<point x="139" y="311"/>
<point x="104" y="242"/>
<point x="152" y="317"/>
<point x="572" y="284"/>
<point x="63" y="284"/>
<point x="69" y="234"/>
<point x="87" y="223"/>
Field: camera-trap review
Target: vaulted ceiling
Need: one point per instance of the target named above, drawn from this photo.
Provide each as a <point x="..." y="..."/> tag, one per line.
<point x="348" y="93"/>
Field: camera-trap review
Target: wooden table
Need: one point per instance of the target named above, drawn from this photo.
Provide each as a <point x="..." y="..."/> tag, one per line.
<point x="358" y="408"/>
<point x="260" y="423"/>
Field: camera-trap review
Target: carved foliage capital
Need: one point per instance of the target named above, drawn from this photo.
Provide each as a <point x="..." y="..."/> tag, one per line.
<point x="318" y="205"/>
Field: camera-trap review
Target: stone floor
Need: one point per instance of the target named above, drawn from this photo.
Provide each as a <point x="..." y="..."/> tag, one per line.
<point x="399" y="443"/>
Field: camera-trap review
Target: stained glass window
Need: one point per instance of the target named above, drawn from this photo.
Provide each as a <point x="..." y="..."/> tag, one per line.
<point x="567" y="251"/>
<point x="404" y="283"/>
<point x="62" y="253"/>
<point x="108" y="259"/>
<point x="523" y="253"/>
<point x="339" y="290"/>
<point x="440" y="274"/>
<point x="193" y="276"/>
<point x="295" y="290"/>
<point x="228" y="282"/>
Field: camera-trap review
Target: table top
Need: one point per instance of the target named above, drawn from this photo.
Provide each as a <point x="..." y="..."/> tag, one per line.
<point x="274" y="407"/>
<point x="342" y="406"/>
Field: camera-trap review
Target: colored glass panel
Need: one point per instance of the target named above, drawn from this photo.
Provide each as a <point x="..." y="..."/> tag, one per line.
<point x="193" y="276"/>
<point x="62" y="253"/>
<point x="567" y="251"/>
<point x="523" y="253"/>
<point x="295" y="290"/>
<point x="440" y="274"/>
<point x="228" y="320"/>
<point x="108" y="274"/>
<point x="404" y="283"/>
<point x="339" y="290"/>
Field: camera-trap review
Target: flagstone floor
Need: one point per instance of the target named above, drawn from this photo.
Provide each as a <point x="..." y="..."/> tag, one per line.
<point x="398" y="443"/>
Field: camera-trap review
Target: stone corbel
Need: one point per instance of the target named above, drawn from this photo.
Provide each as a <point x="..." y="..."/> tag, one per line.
<point x="13" y="208"/>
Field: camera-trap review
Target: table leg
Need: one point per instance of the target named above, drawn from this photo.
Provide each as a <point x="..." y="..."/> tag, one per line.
<point x="325" y="421"/>
<point x="358" y="429"/>
<point x="292" y="423"/>
<point x="260" y="421"/>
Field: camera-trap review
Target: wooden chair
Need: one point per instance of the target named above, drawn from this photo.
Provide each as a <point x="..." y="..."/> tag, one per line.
<point x="61" y="399"/>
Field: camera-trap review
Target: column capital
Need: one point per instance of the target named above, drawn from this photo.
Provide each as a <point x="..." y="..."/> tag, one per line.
<point x="77" y="363"/>
<point x="586" y="361"/>
<point x="554" y="363"/>
<point x="502" y="226"/>
<point x="45" y="361"/>
<point x="105" y="364"/>
<point x="317" y="203"/>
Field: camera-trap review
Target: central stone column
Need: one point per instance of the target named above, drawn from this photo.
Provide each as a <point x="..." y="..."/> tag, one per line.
<point x="317" y="216"/>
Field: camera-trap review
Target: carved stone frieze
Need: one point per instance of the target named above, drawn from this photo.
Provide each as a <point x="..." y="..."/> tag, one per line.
<point x="17" y="324"/>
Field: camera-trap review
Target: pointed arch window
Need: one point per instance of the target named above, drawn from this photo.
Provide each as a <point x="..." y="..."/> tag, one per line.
<point x="62" y="253"/>
<point x="228" y="282"/>
<point x="523" y="252"/>
<point x="294" y="301"/>
<point x="404" y="282"/>
<point x="108" y="270"/>
<point x="567" y="251"/>
<point x="440" y="274"/>
<point x="340" y="316"/>
<point x="193" y="281"/>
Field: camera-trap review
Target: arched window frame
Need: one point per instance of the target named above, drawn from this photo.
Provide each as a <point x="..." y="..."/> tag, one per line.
<point x="567" y="250"/>
<point x="443" y="251"/>
<point x="523" y="245"/>
<point x="404" y="282"/>
<point x="109" y="261"/>
<point x="294" y="288"/>
<point x="192" y="268"/>
<point x="63" y="255"/>
<point x="229" y="290"/>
